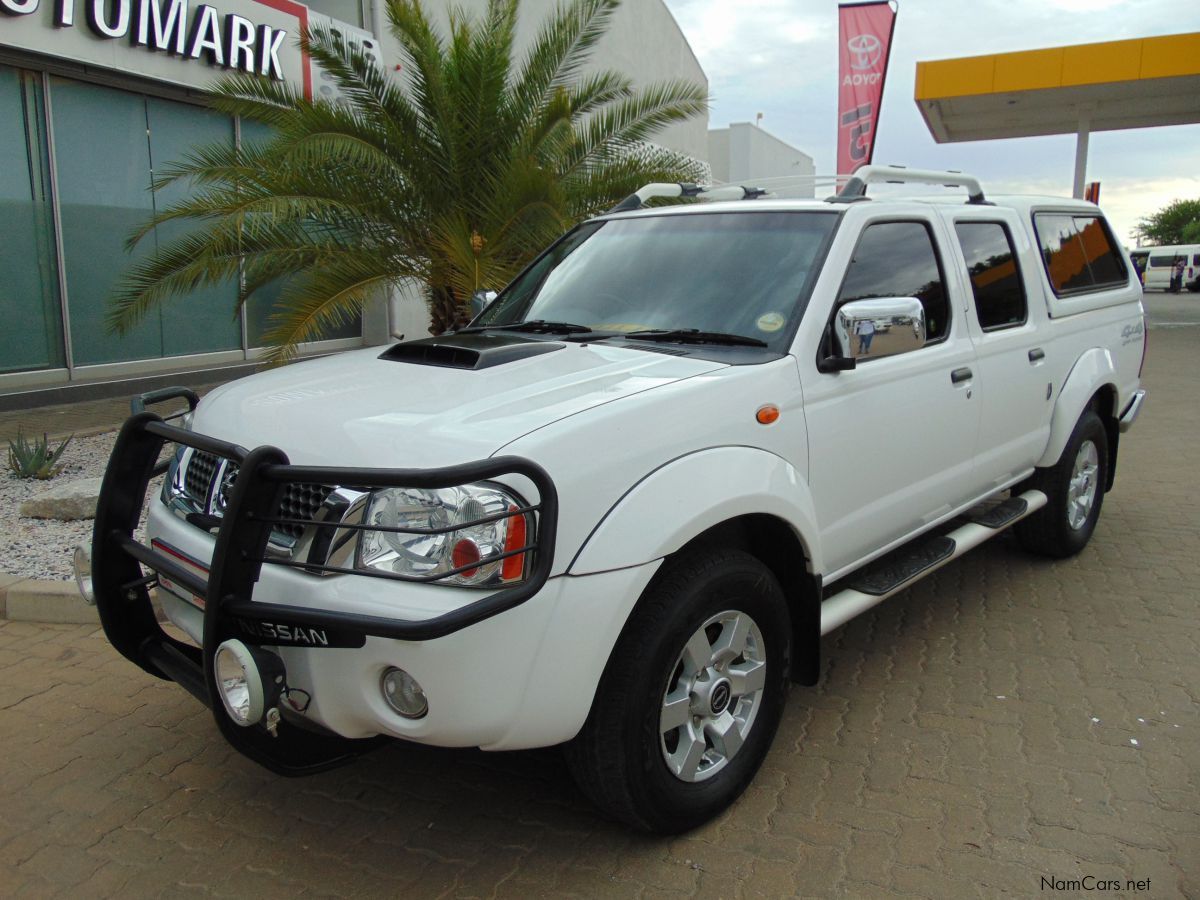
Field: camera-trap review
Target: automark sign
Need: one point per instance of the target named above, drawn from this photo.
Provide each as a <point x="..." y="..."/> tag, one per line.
<point x="173" y="40"/>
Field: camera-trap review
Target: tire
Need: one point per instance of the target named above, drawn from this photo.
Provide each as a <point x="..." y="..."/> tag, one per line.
<point x="1074" y="488"/>
<point x="661" y="780"/>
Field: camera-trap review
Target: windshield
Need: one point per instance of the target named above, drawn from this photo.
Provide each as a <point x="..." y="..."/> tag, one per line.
<point x="742" y="273"/>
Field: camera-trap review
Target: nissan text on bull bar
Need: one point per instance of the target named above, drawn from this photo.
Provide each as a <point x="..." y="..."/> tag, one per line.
<point x="618" y="511"/>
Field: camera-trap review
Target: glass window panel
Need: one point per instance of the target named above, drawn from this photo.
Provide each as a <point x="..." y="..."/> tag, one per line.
<point x="995" y="276"/>
<point x="103" y="166"/>
<point x="206" y="319"/>
<point x="1066" y="263"/>
<point x="1108" y="269"/>
<point x="261" y="304"/>
<point x="897" y="259"/>
<point x="348" y="11"/>
<point x="1080" y="253"/>
<point x="31" y="335"/>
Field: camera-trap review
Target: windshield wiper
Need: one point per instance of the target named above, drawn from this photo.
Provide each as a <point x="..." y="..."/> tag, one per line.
<point x="535" y="326"/>
<point x="695" y="336"/>
<point x="538" y="327"/>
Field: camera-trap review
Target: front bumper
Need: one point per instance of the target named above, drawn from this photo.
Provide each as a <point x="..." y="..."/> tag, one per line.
<point x="521" y="679"/>
<point x="240" y="597"/>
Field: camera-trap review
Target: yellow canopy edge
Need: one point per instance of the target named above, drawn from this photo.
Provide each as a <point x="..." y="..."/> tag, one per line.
<point x="1115" y="84"/>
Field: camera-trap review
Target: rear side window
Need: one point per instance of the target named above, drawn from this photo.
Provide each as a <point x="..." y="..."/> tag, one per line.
<point x="1079" y="253"/>
<point x="897" y="259"/>
<point x="995" y="277"/>
<point x="1196" y="260"/>
<point x="1162" y="262"/>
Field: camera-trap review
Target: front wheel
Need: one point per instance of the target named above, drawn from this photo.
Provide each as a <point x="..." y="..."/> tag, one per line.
<point x="691" y="697"/>
<point x="1074" y="488"/>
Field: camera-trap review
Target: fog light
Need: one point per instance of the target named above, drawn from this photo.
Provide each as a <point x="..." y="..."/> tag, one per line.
<point x="83" y="574"/>
<point x="404" y="694"/>
<point x="239" y="683"/>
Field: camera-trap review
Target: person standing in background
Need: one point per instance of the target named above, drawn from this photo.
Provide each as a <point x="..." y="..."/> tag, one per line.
<point x="1177" y="275"/>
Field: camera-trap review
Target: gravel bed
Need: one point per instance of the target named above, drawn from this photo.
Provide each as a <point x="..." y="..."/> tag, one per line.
<point x="42" y="548"/>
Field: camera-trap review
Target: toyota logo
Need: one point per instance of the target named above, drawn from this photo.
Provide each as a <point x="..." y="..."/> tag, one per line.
<point x="865" y="50"/>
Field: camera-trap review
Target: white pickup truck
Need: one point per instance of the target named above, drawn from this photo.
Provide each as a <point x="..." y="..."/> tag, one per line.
<point x="620" y="509"/>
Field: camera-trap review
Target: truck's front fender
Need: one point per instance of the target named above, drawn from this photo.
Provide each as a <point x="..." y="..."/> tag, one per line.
<point x="689" y="495"/>
<point x="1092" y="371"/>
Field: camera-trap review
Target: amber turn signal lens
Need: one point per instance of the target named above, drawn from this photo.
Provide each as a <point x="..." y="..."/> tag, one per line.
<point x="513" y="567"/>
<point x="767" y="414"/>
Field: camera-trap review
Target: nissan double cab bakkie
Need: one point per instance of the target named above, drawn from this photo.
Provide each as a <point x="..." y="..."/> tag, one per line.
<point x="618" y="510"/>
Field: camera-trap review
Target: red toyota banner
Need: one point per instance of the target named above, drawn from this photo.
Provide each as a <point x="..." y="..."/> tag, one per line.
<point x="864" y="43"/>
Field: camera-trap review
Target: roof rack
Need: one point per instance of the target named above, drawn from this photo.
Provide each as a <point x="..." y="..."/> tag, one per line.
<point x="855" y="189"/>
<point x="683" y="189"/>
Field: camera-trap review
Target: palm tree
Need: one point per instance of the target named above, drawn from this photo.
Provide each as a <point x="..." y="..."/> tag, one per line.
<point x="457" y="174"/>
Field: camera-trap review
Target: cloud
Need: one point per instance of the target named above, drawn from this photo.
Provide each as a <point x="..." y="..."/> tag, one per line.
<point x="779" y="57"/>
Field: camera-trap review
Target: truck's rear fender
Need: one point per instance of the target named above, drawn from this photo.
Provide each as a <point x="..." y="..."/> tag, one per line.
<point x="736" y="496"/>
<point x="1093" y="378"/>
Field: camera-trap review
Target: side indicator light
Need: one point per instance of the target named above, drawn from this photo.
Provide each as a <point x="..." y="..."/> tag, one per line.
<point x="767" y="414"/>
<point x="513" y="567"/>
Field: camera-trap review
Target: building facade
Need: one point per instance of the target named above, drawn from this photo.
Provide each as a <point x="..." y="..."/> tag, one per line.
<point x="97" y="96"/>
<point x="744" y="153"/>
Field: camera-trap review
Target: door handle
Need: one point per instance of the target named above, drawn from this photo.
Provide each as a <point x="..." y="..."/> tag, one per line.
<point x="960" y="375"/>
<point x="1036" y="354"/>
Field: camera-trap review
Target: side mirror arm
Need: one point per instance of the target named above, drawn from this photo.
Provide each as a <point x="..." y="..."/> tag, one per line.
<point x="835" y="364"/>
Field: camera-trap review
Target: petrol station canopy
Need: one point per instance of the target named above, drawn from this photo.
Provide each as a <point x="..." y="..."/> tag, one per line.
<point x="1113" y="85"/>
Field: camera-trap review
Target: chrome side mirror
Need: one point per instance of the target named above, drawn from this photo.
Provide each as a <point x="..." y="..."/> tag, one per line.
<point x="882" y="326"/>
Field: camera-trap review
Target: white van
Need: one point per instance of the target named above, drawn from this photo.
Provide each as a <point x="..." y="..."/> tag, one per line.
<point x="1162" y="262"/>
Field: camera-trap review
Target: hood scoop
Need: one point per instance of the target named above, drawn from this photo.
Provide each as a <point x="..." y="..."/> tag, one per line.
<point x="469" y="351"/>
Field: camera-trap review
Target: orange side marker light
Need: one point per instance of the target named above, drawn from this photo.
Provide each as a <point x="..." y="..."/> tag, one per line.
<point x="767" y="414"/>
<point x="513" y="567"/>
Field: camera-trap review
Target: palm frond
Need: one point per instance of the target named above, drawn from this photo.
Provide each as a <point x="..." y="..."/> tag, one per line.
<point x="456" y="173"/>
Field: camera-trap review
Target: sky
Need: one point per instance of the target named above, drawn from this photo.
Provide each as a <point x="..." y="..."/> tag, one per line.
<point x="779" y="58"/>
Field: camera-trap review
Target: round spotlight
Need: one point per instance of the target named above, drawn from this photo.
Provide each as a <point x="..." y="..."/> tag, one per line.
<point x="404" y="694"/>
<point x="239" y="683"/>
<point x="83" y="574"/>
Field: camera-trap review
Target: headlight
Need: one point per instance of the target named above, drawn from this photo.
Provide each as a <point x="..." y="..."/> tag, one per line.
<point x="460" y="528"/>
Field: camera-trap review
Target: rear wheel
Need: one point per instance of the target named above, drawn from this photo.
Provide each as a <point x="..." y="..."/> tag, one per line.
<point x="691" y="697"/>
<point x="1074" y="488"/>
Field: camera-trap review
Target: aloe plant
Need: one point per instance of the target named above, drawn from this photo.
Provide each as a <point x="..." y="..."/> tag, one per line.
<point x="35" y="459"/>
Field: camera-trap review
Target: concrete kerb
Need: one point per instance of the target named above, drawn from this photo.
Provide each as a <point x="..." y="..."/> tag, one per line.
<point x="34" y="600"/>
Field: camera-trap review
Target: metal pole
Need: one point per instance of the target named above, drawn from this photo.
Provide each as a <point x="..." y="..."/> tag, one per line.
<point x="56" y="213"/>
<point x="1081" y="152"/>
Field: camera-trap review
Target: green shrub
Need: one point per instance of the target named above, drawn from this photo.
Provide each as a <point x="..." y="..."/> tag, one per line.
<point x="35" y="459"/>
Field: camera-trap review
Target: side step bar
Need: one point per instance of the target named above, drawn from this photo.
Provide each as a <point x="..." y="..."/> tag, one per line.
<point x="898" y="572"/>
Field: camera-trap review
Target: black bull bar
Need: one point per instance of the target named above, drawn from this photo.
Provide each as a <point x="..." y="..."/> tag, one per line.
<point x="122" y="588"/>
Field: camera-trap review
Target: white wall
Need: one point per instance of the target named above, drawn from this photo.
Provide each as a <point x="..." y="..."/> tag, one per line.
<point x="643" y="42"/>
<point x="744" y="153"/>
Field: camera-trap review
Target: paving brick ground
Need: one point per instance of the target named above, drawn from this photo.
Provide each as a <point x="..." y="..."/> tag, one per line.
<point x="1006" y="720"/>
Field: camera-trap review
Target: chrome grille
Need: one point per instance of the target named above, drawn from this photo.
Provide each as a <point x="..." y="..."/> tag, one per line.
<point x="300" y="501"/>
<point x="201" y="470"/>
